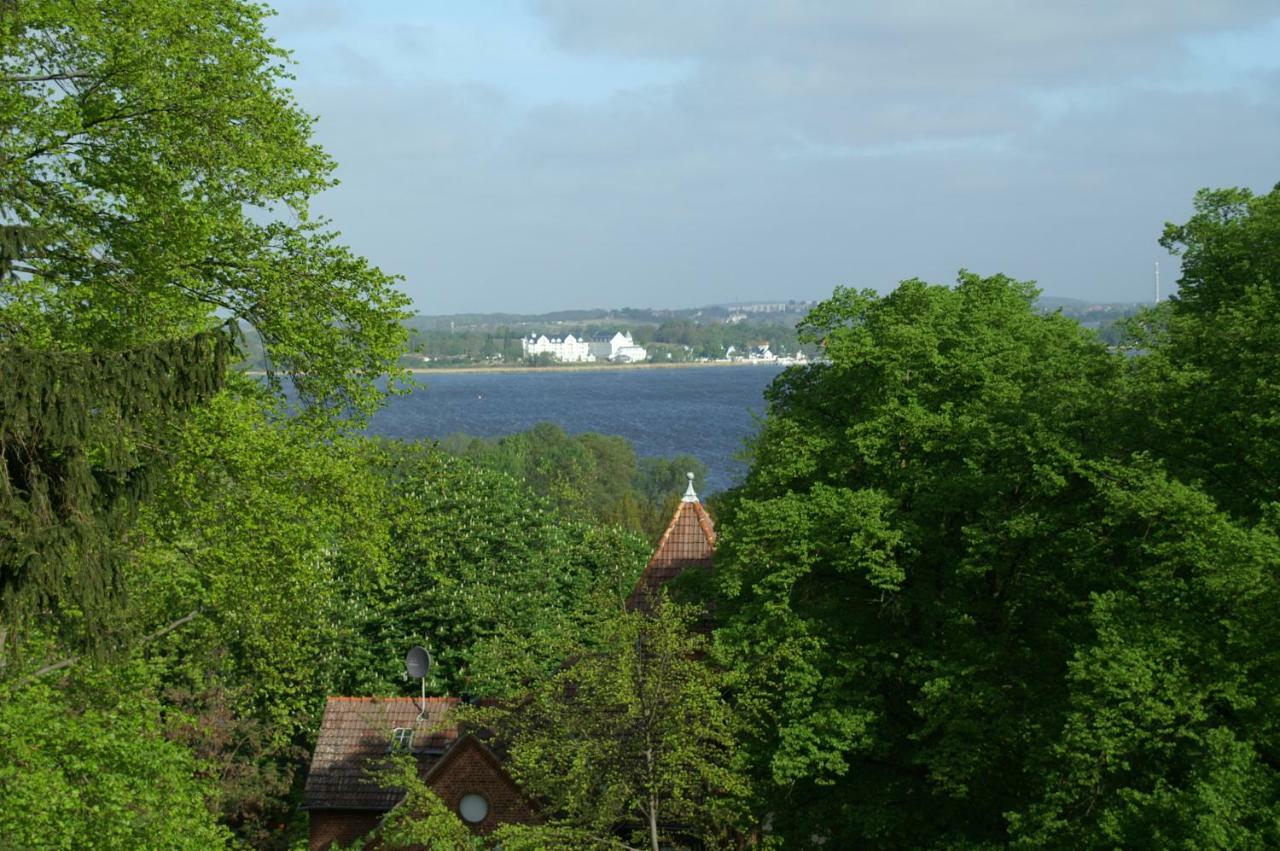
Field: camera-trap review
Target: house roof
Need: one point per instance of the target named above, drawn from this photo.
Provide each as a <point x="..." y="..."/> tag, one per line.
<point x="355" y="732"/>
<point x="689" y="541"/>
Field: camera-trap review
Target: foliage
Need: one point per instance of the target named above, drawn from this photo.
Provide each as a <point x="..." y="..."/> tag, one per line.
<point x="1171" y="725"/>
<point x="300" y="568"/>
<point x="959" y="611"/>
<point x="593" y="476"/>
<point x="480" y="566"/>
<point x="80" y="435"/>
<point x="273" y="537"/>
<point x="155" y="174"/>
<point x="155" y="149"/>
<point x="90" y="767"/>
<point x="630" y="738"/>
<point x="711" y="340"/>
<point x="1206" y="393"/>
<point x="468" y="346"/>
<point x="421" y="819"/>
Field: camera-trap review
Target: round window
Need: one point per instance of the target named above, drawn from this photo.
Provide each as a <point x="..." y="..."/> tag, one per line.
<point x="473" y="808"/>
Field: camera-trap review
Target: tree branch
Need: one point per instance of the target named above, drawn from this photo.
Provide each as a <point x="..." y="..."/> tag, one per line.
<point x="71" y="660"/>
<point x="89" y="125"/>
<point x="46" y="78"/>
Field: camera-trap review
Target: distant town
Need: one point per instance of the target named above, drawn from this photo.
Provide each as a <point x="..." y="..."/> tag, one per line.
<point x="737" y="333"/>
<point x="742" y="333"/>
<point x="752" y="332"/>
<point x="620" y="348"/>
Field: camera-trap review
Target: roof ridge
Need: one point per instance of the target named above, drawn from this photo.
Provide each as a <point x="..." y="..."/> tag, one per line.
<point x="675" y="552"/>
<point x="671" y="527"/>
<point x="705" y="524"/>
<point x="377" y="699"/>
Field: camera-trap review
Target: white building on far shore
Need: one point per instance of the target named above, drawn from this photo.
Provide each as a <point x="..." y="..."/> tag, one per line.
<point x="567" y="350"/>
<point x="619" y="348"/>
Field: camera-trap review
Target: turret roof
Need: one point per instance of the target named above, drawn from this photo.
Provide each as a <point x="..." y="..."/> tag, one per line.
<point x="689" y="541"/>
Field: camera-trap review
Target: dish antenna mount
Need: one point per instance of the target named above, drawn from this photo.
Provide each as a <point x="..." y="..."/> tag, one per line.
<point x="417" y="664"/>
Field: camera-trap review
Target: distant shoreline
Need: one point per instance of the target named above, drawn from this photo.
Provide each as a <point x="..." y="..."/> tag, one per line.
<point x="587" y="367"/>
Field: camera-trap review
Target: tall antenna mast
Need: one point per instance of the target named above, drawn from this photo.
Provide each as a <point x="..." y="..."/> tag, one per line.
<point x="1157" y="282"/>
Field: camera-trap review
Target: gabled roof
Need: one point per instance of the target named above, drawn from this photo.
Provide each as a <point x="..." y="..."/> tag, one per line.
<point x="356" y="732"/>
<point x="689" y="541"/>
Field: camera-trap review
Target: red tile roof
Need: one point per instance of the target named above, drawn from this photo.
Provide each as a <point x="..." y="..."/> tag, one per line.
<point x="690" y="541"/>
<point x="356" y="732"/>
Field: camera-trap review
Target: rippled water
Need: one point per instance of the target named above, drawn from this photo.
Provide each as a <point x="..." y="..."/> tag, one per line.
<point x="706" y="412"/>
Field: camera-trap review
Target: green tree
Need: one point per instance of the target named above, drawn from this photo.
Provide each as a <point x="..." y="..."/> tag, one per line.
<point x="155" y="175"/>
<point x="661" y="483"/>
<point x="1170" y="733"/>
<point x="154" y="148"/>
<point x="90" y="767"/>
<point x="630" y="740"/>
<point x="1206" y="397"/>
<point x="592" y="476"/>
<point x="272" y="539"/>
<point x="946" y="568"/>
<point x="80" y="434"/>
<point x="480" y="566"/>
<point x="421" y="819"/>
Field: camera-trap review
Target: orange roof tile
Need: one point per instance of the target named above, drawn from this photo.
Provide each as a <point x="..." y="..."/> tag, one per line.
<point x="690" y="541"/>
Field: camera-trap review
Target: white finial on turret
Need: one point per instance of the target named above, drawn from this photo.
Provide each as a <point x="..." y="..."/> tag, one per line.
<point x="689" y="495"/>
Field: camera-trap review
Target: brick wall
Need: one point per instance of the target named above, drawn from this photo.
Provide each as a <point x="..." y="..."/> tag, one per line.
<point x="471" y="772"/>
<point x="468" y="769"/>
<point x="341" y="826"/>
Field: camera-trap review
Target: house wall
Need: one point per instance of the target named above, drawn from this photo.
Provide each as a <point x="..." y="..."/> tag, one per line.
<point x="340" y="826"/>
<point x="471" y="773"/>
<point x="634" y="354"/>
<point x="568" y="350"/>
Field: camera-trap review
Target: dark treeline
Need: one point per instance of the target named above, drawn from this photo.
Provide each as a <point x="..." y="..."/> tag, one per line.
<point x="593" y="477"/>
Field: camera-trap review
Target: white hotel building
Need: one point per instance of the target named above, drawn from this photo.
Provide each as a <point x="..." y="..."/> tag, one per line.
<point x="618" y="348"/>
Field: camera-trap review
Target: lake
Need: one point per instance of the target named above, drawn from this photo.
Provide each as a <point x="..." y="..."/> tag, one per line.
<point x="706" y="412"/>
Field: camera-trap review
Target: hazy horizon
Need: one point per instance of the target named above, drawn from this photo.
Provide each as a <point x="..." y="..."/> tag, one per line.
<point x="605" y="308"/>
<point x="521" y="156"/>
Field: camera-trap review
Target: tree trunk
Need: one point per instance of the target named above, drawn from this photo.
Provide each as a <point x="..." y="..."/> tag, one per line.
<point x="653" y="792"/>
<point x="653" y="822"/>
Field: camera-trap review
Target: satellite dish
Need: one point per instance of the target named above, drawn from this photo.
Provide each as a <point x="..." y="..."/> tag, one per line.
<point x="417" y="662"/>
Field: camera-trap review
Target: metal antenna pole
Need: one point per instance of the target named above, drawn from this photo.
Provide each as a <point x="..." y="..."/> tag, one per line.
<point x="1157" y="282"/>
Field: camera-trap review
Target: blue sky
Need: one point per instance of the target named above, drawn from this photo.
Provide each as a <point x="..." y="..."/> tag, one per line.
<point x="565" y="153"/>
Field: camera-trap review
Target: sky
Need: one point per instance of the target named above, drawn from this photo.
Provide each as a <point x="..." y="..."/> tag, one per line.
<point x="560" y="154"/>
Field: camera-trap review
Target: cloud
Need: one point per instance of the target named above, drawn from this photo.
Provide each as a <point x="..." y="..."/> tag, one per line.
<point x="855" y="74"/>
<point x="770" y="150"/>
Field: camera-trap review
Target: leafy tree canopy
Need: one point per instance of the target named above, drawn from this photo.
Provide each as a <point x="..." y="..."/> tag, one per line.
<point x="1207" y="391"/>
<point x="153" y="149"/>
<point x="78" y="435"/>
<point x="592" y="476"/>
<point x="947" y="573"/>
<point x="155" y="175"/>
<point x="484" y="573"/>
<point x="90" y="767"/>
<point x="630" y="744"/>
